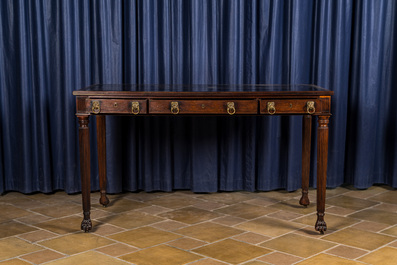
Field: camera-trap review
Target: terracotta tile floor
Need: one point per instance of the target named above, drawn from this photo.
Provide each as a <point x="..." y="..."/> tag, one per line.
<point x="187" y="228"/>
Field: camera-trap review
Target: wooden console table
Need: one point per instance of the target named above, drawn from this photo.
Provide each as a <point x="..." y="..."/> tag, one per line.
<point x="145" y="100"/>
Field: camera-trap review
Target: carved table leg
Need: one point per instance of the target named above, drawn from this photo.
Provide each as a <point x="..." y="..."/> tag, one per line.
<point x="101" y="142"/>
<point x="306" y="141"/>
<point x="85" y="171"/>
<point x="322" y="158"/>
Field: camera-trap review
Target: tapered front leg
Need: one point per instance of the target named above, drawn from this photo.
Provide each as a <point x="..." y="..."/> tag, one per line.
<point x="322" y="159"/>
<point x="101" y="142"/>
<point x="84" y="144"/>
<point x="306" y="142"/>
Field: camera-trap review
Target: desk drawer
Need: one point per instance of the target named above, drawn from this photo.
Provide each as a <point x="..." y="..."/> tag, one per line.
<point x="116" y="106"/>
<point x="292" y="106"/>
<point x="216" y="107"/>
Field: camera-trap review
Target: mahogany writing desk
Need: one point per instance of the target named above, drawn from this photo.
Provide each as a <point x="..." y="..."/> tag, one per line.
<point x="177" y="100"/>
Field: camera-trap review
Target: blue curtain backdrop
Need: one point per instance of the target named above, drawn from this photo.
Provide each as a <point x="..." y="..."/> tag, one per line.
<point x="50" y="48"/>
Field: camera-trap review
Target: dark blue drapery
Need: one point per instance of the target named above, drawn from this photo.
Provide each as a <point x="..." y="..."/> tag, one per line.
<point x="50" y="48"/>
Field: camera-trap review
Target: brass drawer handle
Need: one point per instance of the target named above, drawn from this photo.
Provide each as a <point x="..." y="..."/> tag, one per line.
<point x="271" y="108"/>
<point x="135" y="107"/>
<point x="230" y="108"/>
<point x="96" y="107"/>
<point x="174" y="107"/>
<point x="310" y="107"/>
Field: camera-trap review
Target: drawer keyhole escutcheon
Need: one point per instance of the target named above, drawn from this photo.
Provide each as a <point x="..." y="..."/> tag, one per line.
<point x="115" y="104"/>
<point x="174" y="107"/>
<point x="135" y="107"/>
<point x="271" y="108"/>
<point x="310" y="107"/>
<point x="230" y="108"/>
<point x="96" y="107"/>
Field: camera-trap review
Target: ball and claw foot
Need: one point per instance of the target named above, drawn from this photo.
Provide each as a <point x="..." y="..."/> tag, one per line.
<point x="86" y="224"/>
<point x="321" y="226"/>
<point x="304" y="199"/>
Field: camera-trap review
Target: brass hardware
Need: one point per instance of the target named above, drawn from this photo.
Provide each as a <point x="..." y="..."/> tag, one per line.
<point x="290" y="105"/>
<point x="203" y="106"/>
<point x="135" y="107"/>
<point x="115" y="104"/>
<point x="310" y="107"/>
<point x="174" y="107"/>
<point x="271" y="108"/>
<point x="230" y="108"/>
<point x="96" y="107"/>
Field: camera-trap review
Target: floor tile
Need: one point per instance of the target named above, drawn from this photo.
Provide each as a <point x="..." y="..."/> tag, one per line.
<point x="294" y="206"/>
<point x="9" y="212"/>
<point x="64" y="225"/>
<point x="130" y="220"/>
<point x="209" y="206"/>
<point x="209" y="232"/>
<point x="387" y="197"/>
<point x="145" y="237"/>
<point x="251" y="238"/>
<point x="88" y="258"/>
<point x="15" y="262"/>
<point x="59" y="210"/>
<point x="383" y="256"/>
<point x="37" y="235"/>
<point x="246" y="211"/>
<point x="42" y="256"/>
<point x="229" y="220"/>
<point x="190" y="215"/>
<point x="168" y="225"/>
<point x="33" y="218"/>
<point x="76" y="243"/>
<point x="232" y="251"/>
<point x="350" y="202"/>
<point x="207" y="262"/>
<point x="391" y="231"/>
<point x="278" y="258"/>
<point x="347" y="252"/>
<point x="336" y="210"/>
<point x="106" y="229"/>
<point x="13" y="247"/>
<point x="298" y="245"/>
<point x="174" y="201"/>
<point x="376" y="216"/>
<point x="228" y="197"/>
<point x="329" y="260"/>
<point x="270" y="226"/>
<point x="117" y="249"/>
<point x="387" y="207"/>
<point x="123" y="205"/>
<point x="334" y="222"/>
<point x="371" y="226"/>
<point x="186" y="243"/>
<point x="154" y="209"/>
<point x="164" y="255"/>
<point x="359" y="238"/>
<point x="12" y="228"/>
<point x="365" y="193"/>
<point x="262" y="201"/>
<point x="285" y="215"/>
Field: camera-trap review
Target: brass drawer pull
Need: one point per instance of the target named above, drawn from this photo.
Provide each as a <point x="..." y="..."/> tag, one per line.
<point x="135" y="107"/>
<point x="96" y="107"/>
<point x="271" y="108"/>
<point x="174" y="107"/>
<point x="310" y="107"/>
<point x="230" y="108"/>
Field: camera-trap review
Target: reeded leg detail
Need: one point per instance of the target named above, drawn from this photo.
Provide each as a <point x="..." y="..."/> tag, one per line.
<point x="322" y="159"/>
<point x="306" y="142"/>
<point x="86" y="224"/>
<point x="85" y="171"/>
<point x="101" y="144"/>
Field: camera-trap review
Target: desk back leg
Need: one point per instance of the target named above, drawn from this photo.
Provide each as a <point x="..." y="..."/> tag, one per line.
<point x="322" y="159"/>
<point x="101" y="142"/>
<point x="85" y="171"/>
<point x="306" y="142"/>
